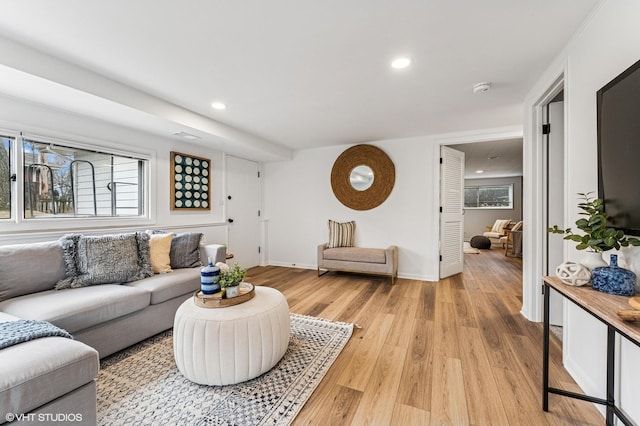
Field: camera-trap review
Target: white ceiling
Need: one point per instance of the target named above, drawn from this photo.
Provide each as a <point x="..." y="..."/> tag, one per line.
<point x="495" y="158"/>
<point x="294" y="74"/>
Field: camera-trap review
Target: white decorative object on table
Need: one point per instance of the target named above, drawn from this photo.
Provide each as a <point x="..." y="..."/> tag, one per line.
<point x="630" y="260"/>
<point x="573" y="273"/>
<point x="592" y="260"/>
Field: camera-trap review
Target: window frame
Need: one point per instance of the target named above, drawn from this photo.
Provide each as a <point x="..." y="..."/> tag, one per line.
<point x="18" y="223"/>
<point x="511" y="196"/>
<point x="12" y="138"/>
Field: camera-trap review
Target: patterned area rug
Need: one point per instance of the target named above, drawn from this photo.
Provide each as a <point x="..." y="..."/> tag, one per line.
<point x="142" y="385"/>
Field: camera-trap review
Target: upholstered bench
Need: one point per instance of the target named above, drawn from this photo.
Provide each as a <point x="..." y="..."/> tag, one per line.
<point x="375" y="261"/>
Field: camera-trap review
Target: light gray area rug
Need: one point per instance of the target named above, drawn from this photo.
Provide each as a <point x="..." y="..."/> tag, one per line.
<point x="470" y="250"/>
<point x="142" y="385"/>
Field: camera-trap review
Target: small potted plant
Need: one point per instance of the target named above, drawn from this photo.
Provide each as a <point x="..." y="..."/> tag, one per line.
<point x="230" y="278"/>
<point x="597" y="237"/>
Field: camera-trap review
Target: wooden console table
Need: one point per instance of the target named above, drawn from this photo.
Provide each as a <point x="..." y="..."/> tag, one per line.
<point x="603" y="307"/>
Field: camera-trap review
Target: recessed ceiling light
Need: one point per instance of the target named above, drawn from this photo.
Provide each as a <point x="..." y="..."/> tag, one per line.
<point x="479" y="171"/>
<point x="400" y="63"/>
<point x="218" y="105"/>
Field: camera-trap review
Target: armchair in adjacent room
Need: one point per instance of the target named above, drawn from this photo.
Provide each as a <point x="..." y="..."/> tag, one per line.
<point x="498" y="230"/>
<point x="512" y="242"/>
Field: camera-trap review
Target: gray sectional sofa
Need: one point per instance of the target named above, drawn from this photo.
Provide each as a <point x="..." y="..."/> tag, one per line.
<point x="56" y="374"/>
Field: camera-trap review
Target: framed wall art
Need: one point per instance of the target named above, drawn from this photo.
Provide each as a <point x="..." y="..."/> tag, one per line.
<point x="190" y="185"/>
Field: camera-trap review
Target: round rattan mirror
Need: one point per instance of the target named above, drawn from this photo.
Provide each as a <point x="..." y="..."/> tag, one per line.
<point x="354" y="164"/>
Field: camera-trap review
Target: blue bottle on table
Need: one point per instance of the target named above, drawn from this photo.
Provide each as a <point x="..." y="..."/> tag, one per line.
<point x="614" y="280"/>
<point x="209" y="278"/>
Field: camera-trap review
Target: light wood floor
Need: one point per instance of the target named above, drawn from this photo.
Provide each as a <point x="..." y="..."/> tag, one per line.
<point x="452" y="352"/>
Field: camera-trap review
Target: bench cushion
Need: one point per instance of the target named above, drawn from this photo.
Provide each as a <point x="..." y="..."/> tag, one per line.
<point x="78" y="308"/>
<point x="356" y="254"/>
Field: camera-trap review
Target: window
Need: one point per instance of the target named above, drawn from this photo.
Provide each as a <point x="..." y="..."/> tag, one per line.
<point x="5" y="177"/>
<point x="488" y="197"/>
<point x="65" y="181"/>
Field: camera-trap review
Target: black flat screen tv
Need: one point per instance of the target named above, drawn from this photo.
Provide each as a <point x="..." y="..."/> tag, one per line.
<point x="618" y="106"/>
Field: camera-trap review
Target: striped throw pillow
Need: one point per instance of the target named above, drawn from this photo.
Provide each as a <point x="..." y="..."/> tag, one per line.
<point x="500" y="225"/>
<point x="341" y="234"/>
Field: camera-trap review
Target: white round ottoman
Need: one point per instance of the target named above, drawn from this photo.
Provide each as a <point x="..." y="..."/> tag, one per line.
<point x="223" y="346"/>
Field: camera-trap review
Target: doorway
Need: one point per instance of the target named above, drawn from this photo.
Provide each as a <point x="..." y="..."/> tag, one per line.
<point x="535" y="207"/>
<point x="468" y="141"/>
<point x="493" y="184"/>
<point x="554" y="196"/>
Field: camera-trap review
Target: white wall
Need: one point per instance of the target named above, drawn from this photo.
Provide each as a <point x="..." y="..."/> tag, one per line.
<point x="28" y="117"/>
<point x="607" y="44"/>
<point x="477" y="220"/>
<point x="299" y="201"/>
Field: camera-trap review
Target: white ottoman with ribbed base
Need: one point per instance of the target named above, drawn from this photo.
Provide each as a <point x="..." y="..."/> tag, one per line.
<point x="223" y="346"/>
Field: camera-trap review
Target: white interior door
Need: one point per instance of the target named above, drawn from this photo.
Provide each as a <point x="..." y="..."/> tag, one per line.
<point x="555" y="201"/>
<point x="452" y="211"/>
<point x="242" y="207"/>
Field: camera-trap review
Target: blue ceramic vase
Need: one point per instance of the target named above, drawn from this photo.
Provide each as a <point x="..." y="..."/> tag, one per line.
<point x="614" y="280"/>
<point x="209" y="279"/>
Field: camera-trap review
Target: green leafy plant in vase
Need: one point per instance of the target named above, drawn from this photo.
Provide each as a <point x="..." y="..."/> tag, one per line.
<point x="597" y="237"/>
<point x="230" y="278"/>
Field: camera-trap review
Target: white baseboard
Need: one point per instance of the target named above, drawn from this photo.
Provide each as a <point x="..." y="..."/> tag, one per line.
<point x="307" y="266"/>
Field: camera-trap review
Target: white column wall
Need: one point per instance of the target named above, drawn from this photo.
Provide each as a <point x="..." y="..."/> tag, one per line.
<point x="607" y="44"/>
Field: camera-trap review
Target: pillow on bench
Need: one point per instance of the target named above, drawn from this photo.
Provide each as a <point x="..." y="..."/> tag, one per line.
<point x="341" y="234"/>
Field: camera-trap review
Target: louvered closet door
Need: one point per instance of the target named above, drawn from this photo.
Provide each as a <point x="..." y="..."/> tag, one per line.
<point x="452" y="216"/>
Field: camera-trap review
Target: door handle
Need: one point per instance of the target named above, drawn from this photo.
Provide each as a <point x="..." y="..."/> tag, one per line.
<point x="230" y="220"/>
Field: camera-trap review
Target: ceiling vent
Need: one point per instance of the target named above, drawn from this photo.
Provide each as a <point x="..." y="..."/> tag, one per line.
<point x="186" y="135"/>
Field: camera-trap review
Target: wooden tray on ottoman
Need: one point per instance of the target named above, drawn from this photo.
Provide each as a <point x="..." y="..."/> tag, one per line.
<point x="246" y="292"/>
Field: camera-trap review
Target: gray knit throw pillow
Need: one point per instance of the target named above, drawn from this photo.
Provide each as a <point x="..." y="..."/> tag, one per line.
<point x="106" y="259"/>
